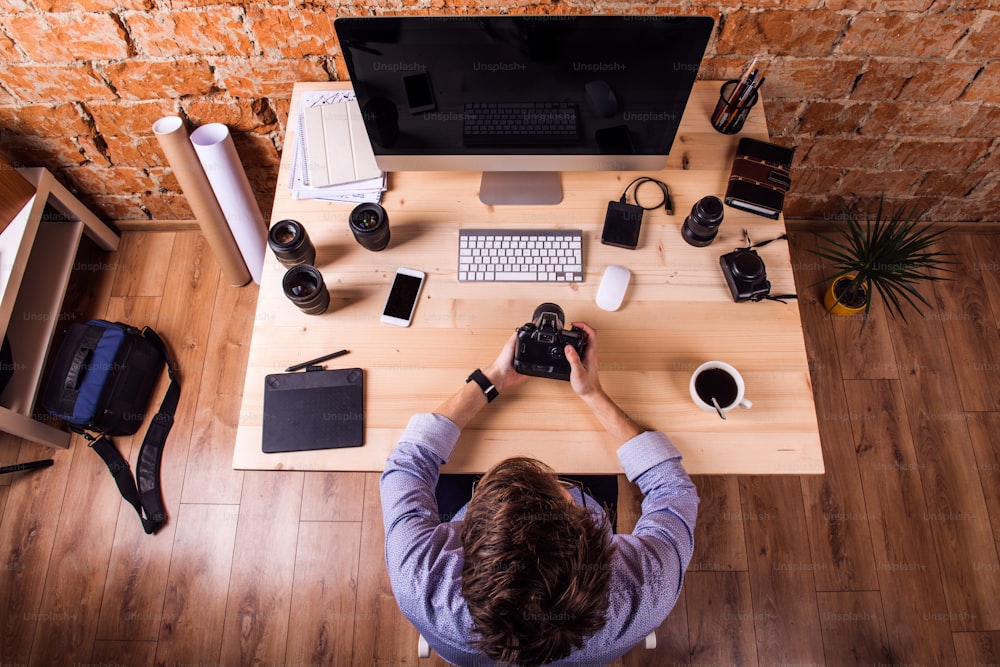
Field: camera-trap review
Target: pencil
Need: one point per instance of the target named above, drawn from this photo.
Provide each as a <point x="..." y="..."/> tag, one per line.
<point x="311" y="362"/>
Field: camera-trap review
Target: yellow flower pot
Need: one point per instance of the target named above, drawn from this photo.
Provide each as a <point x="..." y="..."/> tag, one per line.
<point x="836" y="308"/>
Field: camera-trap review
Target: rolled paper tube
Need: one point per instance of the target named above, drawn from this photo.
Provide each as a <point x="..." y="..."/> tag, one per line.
<point x="176" y="145"/>
<point x="222" y="166"/>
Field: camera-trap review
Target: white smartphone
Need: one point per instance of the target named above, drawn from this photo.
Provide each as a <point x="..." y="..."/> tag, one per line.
<point x="403" y="295"/>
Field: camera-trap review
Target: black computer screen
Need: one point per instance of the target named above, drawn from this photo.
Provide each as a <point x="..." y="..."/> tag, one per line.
<point x="620" y="82"/>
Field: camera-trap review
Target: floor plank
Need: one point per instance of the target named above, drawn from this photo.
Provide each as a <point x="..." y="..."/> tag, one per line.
<point x="719" y="542"/>
<point x="721" y="618"/>
<point x="333" y="496"/>
<point x="194" y="609"/>
<point x="854" y="628"/>
<point x="260" y="587"/>
<point x="786" y="619"/>
<point x="322" y="622"/>
<point x="956" y="508"/>
<point x="907" y="566"/>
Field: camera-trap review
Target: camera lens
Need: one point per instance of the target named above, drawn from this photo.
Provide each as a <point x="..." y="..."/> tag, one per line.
<point x="370" y="225"/>
<point x="701" y="227"/>
<point x="290" y="243"/>
<point x="748" y="266"/>
<point x="303" y="285"/>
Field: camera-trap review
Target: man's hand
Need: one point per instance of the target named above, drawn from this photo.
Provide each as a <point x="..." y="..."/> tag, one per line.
<point x="583" y="372"/>
<point x="501" y="372"/>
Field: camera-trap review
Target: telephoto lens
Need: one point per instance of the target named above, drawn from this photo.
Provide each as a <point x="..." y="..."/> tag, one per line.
<point x="303" y="285"/>
<point x="702" y="225"/>
<point x="290" y="243"/>
<point x="370" y="224"/>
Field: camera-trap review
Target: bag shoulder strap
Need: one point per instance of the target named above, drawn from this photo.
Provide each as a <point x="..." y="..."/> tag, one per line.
<point x="143" y="491"/>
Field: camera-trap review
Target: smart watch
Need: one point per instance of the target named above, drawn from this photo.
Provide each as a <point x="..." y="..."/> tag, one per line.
<point x="489" y="389"/>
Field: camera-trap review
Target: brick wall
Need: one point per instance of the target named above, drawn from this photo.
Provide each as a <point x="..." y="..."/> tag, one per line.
<point x="905" y="102"/>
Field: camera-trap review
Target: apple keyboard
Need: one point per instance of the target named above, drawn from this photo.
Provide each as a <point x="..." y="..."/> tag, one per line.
<point x="520" y="255"/>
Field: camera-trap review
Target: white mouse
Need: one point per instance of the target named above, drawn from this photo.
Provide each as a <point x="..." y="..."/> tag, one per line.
<point x="613" y="286"/>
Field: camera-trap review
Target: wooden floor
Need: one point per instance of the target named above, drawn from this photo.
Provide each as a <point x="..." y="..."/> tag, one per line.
<point x="890" y="558"/>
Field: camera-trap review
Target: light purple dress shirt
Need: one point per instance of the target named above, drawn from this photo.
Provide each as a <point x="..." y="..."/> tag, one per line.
<point x="424" y="555"/>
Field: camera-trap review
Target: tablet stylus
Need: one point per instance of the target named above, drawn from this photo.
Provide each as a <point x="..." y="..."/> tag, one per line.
<point x="311" y="362"/>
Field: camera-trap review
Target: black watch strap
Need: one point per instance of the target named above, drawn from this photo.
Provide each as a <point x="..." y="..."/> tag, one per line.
<point x="484" y="383"/>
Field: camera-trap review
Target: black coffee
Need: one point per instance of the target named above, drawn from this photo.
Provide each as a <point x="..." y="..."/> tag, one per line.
<point x="716" y="383"/>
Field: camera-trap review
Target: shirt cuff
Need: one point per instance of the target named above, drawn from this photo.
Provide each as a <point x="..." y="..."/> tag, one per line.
<point x="645" y="451"/>
<point x="434" y="432"/>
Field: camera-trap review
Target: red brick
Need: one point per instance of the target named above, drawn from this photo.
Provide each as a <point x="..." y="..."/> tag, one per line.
<point x="93" y="149"/>
<point x="285" y="33"/>
<point x="68" y="37"/>
<point x="833" y="117"/>
<point x="129" y="119"/>
<point x="91" y="5"/>
<point x="169" y="206"/>
<point x="41" y="118"/>
<point x="110" y="180"/>
<point x="41" y="151"/>
<point x="865" y="180"/>
<point x="241" y="115"/>
<point x="940" y="183"/>
<point x="816" y="179"/>
<point x="984" y="123"/>
<point x="141" y="152"/>
<point x="911" y="35"/>
<point x="878" y="5"/>
<point x="848" y="152"/>
<point x="982" y="42"/>
<point x="782" y="116"/>
<point x="217" y="31"/>
<point x="14" y="6"/>
<point x="780" y="4"/>
<point x="810" y="78"/>
<point x="266" y="77"/>
<point x="52" y="83"/>
<point x="923" y="154"/>
<point x="8" y="52"/>
<point x="914" y="119"/>
<point x="986" y="86"/>
<point x="143" y="80"/>
<point x="913" y="80"/>
<point x="116" y="207"/>
<point x="256" y="151"/>
<point x="810" y="33"/>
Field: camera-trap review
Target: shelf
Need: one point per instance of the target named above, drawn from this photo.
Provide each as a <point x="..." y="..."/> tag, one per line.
<point x="37" y="253"/>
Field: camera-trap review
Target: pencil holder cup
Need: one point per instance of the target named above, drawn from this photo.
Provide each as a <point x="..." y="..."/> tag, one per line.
<point x="730" y="111"/>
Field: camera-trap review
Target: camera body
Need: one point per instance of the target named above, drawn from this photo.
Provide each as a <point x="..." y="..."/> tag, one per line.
<point x="745" y="273"/>
<point x="540" y="344"/>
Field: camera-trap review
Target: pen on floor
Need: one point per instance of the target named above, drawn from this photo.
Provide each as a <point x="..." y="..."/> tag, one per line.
<point x="313" y="362"/>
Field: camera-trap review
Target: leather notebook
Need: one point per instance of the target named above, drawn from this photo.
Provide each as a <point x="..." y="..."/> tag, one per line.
<point x="760" y="177"/>
<point x="313" y="410"/>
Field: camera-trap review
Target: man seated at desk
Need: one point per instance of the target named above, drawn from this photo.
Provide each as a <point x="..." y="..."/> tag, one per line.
<point x="528" y="573"/>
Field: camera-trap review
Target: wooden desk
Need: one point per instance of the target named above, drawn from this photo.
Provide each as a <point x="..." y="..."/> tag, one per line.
<point x="677" y="313"/>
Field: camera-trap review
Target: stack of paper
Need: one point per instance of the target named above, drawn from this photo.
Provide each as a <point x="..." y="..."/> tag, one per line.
<point x="332" y="156"/>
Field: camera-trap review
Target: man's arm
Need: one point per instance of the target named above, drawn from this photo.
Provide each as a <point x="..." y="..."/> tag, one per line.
<point x="465" y="403"/>
<point x="584" y="378"/>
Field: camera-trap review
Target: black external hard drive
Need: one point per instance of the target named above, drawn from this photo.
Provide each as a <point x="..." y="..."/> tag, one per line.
<point x="621" y="225"/>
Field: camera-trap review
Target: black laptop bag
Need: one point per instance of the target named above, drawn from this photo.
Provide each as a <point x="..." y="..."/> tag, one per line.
<point x="100" y="384"/>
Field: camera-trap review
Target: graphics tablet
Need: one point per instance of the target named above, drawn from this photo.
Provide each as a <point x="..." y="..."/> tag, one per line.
<point x="313" y="410"/>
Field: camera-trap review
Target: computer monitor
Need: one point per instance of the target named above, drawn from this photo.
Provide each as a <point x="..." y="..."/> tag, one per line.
<point x="567" y="93"/>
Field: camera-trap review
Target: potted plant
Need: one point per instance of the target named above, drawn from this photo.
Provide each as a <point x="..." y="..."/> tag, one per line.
<point x="888" y="254"/>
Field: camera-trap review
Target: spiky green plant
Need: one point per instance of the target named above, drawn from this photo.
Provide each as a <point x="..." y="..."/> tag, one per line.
<point x="890" y="254"/>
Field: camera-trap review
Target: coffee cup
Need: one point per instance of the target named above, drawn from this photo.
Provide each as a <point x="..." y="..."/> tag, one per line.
<point x="718" y="387"/>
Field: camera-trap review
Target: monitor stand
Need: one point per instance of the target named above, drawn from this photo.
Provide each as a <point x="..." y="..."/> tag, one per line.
<point x="521" y="187"/>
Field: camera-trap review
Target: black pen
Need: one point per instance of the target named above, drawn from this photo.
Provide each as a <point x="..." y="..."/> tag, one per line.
<point x="311" y="362"/>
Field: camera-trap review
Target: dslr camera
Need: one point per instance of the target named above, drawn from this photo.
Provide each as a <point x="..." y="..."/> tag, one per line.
<point x="745" y="274"/>
<point x="540" y="344"/>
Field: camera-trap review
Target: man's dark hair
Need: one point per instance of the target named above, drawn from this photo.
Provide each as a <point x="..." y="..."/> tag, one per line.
<point x="537" y="568"/>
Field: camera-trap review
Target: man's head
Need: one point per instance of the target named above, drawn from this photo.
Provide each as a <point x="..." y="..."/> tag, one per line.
<point x="537" y="568"/>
